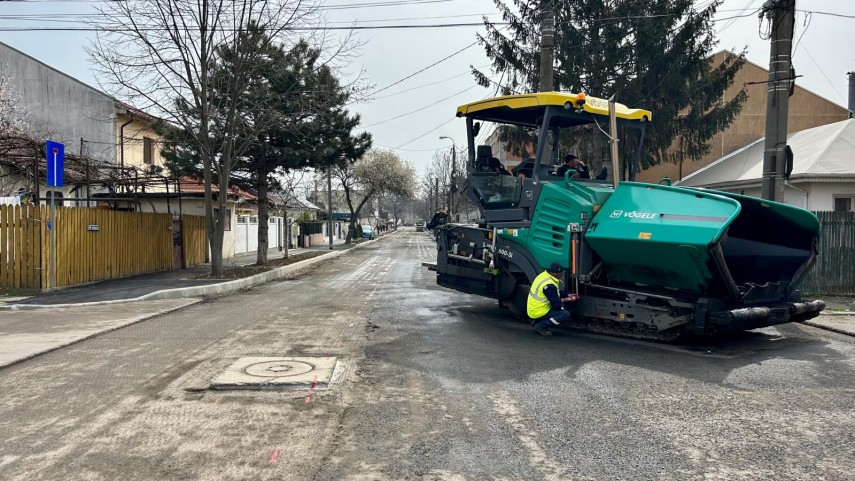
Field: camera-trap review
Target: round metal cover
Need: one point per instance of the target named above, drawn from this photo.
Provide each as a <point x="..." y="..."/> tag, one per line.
<point x="282" y="368"/>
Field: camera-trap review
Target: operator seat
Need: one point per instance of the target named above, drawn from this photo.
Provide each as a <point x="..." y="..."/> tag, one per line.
<point x="482" y="159"/>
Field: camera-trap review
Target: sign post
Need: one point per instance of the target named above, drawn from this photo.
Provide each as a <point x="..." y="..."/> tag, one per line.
<point x="55" y="159"/>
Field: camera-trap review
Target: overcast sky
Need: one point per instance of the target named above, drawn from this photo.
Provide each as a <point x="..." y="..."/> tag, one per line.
<point x="824" y="54"/>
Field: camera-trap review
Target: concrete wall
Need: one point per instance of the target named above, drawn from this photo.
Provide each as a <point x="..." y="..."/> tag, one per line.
<point x="822" y="194"/>
<point x="813" y="196"/>
<point x="806" y="110"/>
<point x="61" y="107"/>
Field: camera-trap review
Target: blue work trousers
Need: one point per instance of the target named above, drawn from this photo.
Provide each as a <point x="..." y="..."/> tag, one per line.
<point x="553" y="318"/>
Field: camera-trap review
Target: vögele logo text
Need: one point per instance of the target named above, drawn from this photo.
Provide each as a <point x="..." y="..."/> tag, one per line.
<point x="632" y="215"/>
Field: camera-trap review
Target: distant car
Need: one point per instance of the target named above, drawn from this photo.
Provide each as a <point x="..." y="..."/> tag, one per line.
<point x="420" y="225"/>
<point x="367" y="232"/>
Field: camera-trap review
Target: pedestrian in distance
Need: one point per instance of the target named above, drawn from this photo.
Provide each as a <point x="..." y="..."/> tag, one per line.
<point x="545" y="305"/>
<point x="573" y="162"/>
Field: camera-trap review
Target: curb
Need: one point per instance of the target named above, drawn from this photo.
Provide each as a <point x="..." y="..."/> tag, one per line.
<point x="829" y="328"/>
<point x="205" y="290"/>
<point x="129" y="322"/>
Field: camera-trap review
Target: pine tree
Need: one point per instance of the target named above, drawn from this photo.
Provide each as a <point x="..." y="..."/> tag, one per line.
<point x="652" y="54"/>
<point x="296" y="107"/>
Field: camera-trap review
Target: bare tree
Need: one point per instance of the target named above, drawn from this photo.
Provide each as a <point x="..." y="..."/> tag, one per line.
<point x="13" y="116"/>
<point x="451" y="189"/>
<point x="289" y="184"/>
<point x="162" y="55"/>
<point x="377" y="172"/>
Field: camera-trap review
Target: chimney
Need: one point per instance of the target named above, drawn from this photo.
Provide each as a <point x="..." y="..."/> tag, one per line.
<point x="851" y="94"/>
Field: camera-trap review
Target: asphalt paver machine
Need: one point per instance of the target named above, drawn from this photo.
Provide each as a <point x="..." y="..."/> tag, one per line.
<point x="649" y="261"/>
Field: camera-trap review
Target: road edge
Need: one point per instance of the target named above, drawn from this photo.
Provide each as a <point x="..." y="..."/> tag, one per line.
<point x="218" y="289"/>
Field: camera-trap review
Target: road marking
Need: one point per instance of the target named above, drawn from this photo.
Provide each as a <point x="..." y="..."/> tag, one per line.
<point x="275" y="456"/>
<point x="312" y="389"/>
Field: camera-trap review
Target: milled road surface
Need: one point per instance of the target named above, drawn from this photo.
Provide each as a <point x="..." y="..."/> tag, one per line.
<point x="435" y="385"/>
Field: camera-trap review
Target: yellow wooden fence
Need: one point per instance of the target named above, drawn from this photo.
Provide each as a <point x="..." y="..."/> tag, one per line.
<point x="95" y="244"/>
<point x="21" y="247"/>
<point x="195" y="240"/>
<point x="91" y="245"/>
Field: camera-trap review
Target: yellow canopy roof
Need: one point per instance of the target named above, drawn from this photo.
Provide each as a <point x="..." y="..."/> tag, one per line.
<point x="489" y="109"/>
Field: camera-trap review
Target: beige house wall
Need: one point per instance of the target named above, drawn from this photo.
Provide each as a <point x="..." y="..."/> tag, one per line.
<point x="806" y="110"/>
<point x="134" y="134"/>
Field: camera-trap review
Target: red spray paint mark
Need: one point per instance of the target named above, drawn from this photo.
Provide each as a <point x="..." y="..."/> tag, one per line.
<point x="275" y="456"/>
<point x="312" y="389"/>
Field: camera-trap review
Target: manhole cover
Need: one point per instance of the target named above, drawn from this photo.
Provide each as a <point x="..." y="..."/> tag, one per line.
<point x="278" y="368"/>
<point x="267" y="372"/>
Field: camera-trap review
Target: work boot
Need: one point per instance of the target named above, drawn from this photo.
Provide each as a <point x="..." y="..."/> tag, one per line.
<point x="543" y="331"/>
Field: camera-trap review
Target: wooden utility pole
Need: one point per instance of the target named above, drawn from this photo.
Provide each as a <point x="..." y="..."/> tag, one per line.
<point x="782" y="14"/>
<point x="547" y="46"/>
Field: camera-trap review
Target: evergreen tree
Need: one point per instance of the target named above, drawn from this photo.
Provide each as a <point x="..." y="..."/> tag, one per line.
<point x="296" y="106"/>
<point x="653" y="54"/>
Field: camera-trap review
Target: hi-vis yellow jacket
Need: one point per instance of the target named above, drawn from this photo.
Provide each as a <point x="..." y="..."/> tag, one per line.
<point x="538" y="305"/>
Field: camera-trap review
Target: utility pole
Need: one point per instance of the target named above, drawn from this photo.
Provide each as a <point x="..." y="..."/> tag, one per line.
<point x="452" y="188"/>
<point x="547" y="46"/>
<point x="851" y="93"/>
<point x="782" y="14"/>
<point x="436" y="190"/>
<point x="329" y="204"/>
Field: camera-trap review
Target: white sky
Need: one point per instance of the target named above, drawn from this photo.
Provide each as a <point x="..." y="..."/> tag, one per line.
<point x="824" y="54"/>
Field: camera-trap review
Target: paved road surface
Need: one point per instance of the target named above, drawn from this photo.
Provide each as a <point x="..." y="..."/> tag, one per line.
<point x="436" y="385"/>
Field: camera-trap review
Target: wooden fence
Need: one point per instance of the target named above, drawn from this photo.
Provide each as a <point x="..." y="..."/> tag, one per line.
<point x="834" y="272"/>
<point x="21" y="247"/>
<point x="195" y="240"/>
<point x="125" y="244"/>
<point x="91" y="245"/>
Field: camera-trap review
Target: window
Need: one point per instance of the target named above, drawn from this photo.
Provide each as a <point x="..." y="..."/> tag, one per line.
<point x="253" y="219"/>
<point x="843" y="204"/>
<point x="148" y="151"/>
<point x="242" y="219"/>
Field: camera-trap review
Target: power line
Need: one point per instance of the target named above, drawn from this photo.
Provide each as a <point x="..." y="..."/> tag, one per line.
<point x="843" y="99"/>
<point x="428" y="84"/>
<point x="76" y="17"/>
<point x="286" y="29"/>
<point x="422" y="135"/>
<point x="432" y="104"/>
<point x="426" y="68"/>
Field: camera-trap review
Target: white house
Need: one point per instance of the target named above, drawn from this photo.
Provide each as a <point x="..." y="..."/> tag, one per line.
<point x="823" y="175"/>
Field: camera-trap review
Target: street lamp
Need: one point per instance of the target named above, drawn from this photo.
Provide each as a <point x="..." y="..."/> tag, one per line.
<point x="453" y="186"/>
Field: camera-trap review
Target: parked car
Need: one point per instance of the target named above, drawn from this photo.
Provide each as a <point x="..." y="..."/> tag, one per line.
<point x="367" y="232"/>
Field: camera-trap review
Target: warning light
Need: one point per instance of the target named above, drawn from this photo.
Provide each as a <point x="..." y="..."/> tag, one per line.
<point x="580" y="99"/>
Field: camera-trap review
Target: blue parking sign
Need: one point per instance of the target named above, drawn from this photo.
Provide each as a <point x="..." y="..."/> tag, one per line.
<point x="55" y="163"/>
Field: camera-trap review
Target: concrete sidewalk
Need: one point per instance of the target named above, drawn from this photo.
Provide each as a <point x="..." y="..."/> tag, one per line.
<point x="843" y="323"/>
<point x="26" y="334"/>
<point x="114" y="290"/>
<point x="48" y="322"/>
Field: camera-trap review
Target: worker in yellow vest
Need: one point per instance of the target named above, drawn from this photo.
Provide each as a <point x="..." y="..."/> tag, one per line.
<point x="545" y="304"/>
